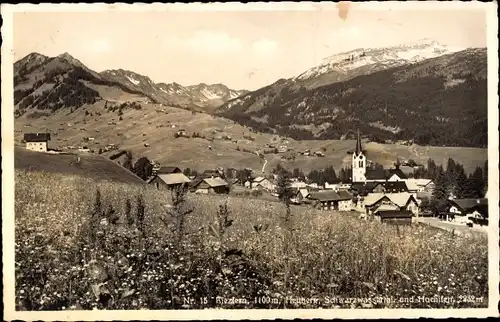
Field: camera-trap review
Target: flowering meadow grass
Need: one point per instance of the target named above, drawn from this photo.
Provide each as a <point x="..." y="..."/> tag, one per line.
<point x="83" y="244"/>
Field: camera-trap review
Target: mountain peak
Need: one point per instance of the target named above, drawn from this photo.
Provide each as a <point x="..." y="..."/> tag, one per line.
<point x="361" y="59"/>
<point x="70" y="59"/>
<point x="34" y="55"/>
<point x="66" y="55"/>
<point x="424" y="42"/>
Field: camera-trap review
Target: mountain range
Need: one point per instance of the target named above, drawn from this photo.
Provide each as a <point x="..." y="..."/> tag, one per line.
<point x="422" y="91"/>
<point x="42" y="82"/>
<point x="425" y="92"/>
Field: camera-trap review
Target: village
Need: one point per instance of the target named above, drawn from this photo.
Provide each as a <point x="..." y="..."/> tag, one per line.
<point x="390" y="196"/>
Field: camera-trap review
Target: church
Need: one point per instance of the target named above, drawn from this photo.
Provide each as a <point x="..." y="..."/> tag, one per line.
<point x="360" y="173"/>
<point x="378" y="189"/>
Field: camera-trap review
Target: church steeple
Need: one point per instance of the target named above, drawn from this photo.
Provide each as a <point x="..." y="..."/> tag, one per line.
<point x="358" y="163"/>
<point x="358" y="145"/>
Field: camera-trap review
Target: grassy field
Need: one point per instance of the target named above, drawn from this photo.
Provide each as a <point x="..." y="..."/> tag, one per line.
<point x="92" y="166"/>
<point x="77" y="248"/>
<point x="152" y="125"/>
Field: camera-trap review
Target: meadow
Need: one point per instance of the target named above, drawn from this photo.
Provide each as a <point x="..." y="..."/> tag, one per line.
<point x="152" y="125"/>
<point x="86" y="244"/>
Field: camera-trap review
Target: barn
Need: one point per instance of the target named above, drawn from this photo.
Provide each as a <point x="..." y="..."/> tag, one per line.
<point x="37" y="141"/>
<point x="169" y="180"/>
<point x="331" y="200"/>
<point x="210" y="185"/>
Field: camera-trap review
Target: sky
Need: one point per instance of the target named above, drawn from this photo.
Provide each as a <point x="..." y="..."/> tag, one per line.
<point x="241" y="49"/>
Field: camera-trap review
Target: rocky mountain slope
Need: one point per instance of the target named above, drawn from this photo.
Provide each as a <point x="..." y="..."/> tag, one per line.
<point x="434" y="101"/>
<point x="206" y="97"/>
<point x="361" y="61"/>
<point x="50" y="83"/>
<point x="200" y="97"/>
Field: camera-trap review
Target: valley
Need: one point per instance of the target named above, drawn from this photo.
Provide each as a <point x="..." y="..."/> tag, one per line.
<point x="155" y="125"/>
<point x="378" y="91"/>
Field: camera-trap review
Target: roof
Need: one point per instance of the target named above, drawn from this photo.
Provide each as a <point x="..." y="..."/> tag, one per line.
<point x="345" y="195"/>
<point x="394" y="213"/>
<point x="328" y="195"/>
<point x="215" y="182"/>
<point x="358" y="144"/>
<point x="36" y="137"/>
<point x="304" y="192"/>
<point x="167" y="170"/>
<point x="412" y="185"/>
<point x="395" y="186"/>
<point x="469" y="204"/>
<point x="423" y="182"/>
<point x="397" y="172"/>
<point x="196" y="181"/>
<point x="174" y="178"/>
<point x="400" y="199"/>
<point x="364" y="189"/>
<point x="373" y="198"/>
<point x="387" y="207"/>
<point x="259" y="179"/>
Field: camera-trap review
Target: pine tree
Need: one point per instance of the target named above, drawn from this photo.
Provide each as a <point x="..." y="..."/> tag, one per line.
<point x="128" y="161"/>
<point x="476" y="185"/>
<point x="284" y="189"/>
<point x="143" y="168"/>
<point x="439" y="192"/>
<point x="461" y="183"/>
<point x="329" y="175"/>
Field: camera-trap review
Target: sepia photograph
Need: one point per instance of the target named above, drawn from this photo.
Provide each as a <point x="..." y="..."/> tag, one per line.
<point x="265" y="160"/>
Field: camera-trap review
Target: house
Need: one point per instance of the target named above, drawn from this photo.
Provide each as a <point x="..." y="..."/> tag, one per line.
<point x="412" y="185"/>
<point x="390" y="187"/>
<point x="300" y="194"/>
<point x="37" y="141"/>
<point x="169" y="180"/>
<point x="210" y="185"/>
<point x="337" y="186"/>
<point x="396" y="174"/>
<point x="363" y="189"/>
<point x="331" y="200"/>
<point x="394" y="217"/>
<point x="391" y="201"/>
<point x="467" y="210"/>
<point x="262" y="182"/>
<point x="345" y="200"/>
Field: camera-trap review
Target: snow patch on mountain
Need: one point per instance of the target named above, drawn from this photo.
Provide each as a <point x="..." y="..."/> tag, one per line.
<point x="133" y="80"/>
<point x="385" y="57"/>
<point x="209" y="94"/>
